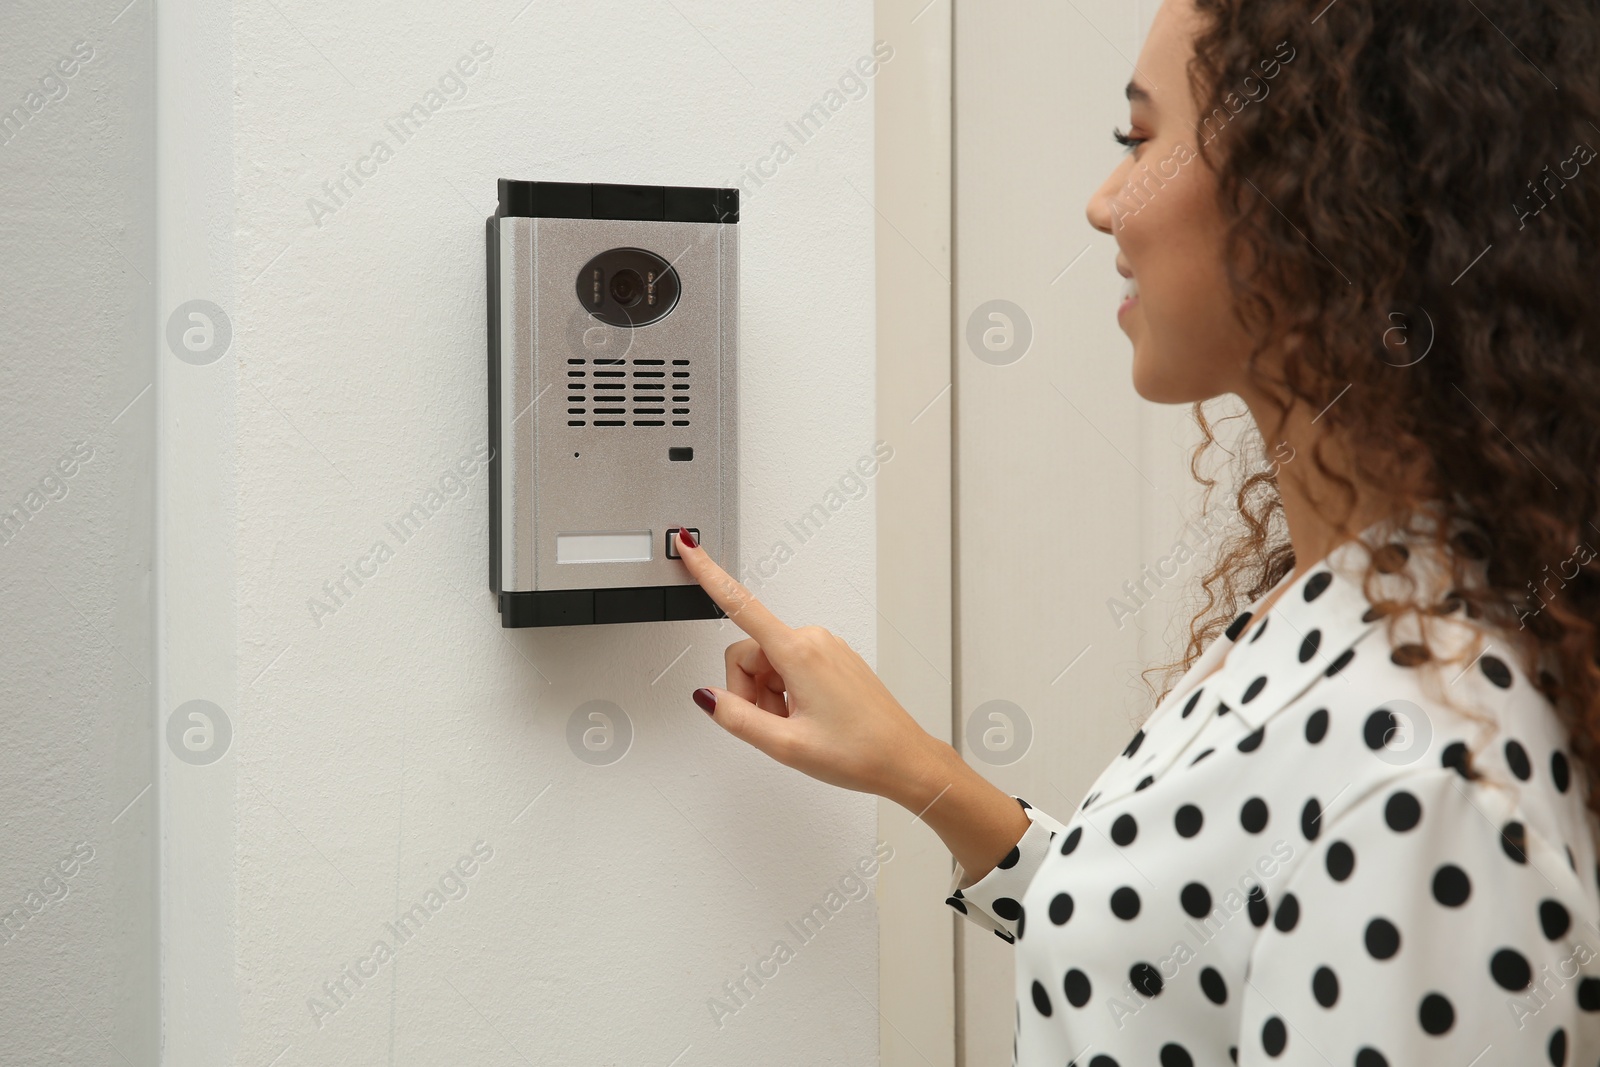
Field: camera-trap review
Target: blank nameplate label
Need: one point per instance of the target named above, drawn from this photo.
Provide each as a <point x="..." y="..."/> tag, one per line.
<point x="604" y="547"/>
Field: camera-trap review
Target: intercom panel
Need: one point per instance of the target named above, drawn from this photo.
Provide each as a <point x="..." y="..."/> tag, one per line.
<point x="613" y="337"/>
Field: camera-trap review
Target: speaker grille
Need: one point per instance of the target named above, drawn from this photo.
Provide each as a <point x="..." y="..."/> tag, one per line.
<point x="611" y="391"/>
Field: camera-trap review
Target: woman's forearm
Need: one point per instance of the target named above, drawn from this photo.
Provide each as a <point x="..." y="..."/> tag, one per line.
<point x="978" y="822"/>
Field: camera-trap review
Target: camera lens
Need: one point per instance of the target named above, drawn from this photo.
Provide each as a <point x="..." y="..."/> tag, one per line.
<point x="626" y="287"/>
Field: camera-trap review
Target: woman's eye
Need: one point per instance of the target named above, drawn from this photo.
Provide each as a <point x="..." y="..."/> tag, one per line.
<point x="1126" y="140"/>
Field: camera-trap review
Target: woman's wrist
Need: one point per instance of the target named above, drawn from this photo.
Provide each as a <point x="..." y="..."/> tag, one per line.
<point x="978" y="822"/>
<point x="933" y="766"/>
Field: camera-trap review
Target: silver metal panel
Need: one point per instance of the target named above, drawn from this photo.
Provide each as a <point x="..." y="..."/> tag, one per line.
<point x="617" y="479"/>
<point x="728" y="382"/>
<point x="518" y="342"/>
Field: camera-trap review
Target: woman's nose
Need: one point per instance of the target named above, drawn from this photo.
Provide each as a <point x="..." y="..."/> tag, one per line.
<point x="1099" y="209"/>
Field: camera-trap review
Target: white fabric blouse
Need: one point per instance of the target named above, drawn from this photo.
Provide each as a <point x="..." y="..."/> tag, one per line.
<point x="1311" y="858"/>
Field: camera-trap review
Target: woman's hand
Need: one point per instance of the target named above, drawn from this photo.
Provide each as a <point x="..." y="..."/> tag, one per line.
<point x="807" y="699"/>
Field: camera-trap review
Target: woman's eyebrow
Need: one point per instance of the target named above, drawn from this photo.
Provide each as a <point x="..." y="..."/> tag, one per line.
<point x="1138" y="94"/>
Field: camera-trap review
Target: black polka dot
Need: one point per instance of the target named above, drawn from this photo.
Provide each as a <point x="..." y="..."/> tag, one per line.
<point x="1236" y="627"/>
<point x="1517" y="758"/>
<point x="1274" y="1036"/>
<point x="1379" y="727"/>
<point x="1090" y="799"/>
<point x="1188" y="820"/>
<point x="1196" y="900"/>
<point x="1317" y="726"/>
<point x="1557" y="1048"/>
<point x="1256" y="905"/>
<point x="1202" y="756"/>
<point x="1187" y="708"/>
<point x="1311" y="819"/>
<point x="1145" y="978"/>
<point x="1133" y="746"/>
<point x="1009" y="860"/>
<point x="1370" y="1057"/>
<point x="1060" y="908"/>
<point x="1436" y="1014"/>
<point x="1589" y="994"/>
<point x="1455" y="757"/>
<point x="1451" y="886"/>
<point x="1175" y="1056"/>
<point x="1494" y="668"/>
<point x="1383" y="940"/>
<point x="1325" y="987"/>
<point x="1341" y="860"/>
<point x="1125" y="903"/>
<point x="1560" y="770"/>
<point x="1341" y="663"/>
<point x="957" y="903"/>
<point x="1288" y="913"/>
<point x="1308" y="647"/>
<point x="1076" y="986"/>
<point x="1553" y="919"/>
<point x="1022" y="920"/>
<point x="1260" y="630"/>
<point x="1070" y="842"/>
<point x="1514" y="841"/>
<point x="1254" y="689"/>
<point x="1222" y="707"/>
<point x="1316" y="584"/>
<point x="1145" y="783"/>
<point x="1253" y="816"/>
<point x="1041" y="1000"/>
<point x="1510" y="969"/>
<point x="1391" y="557"/>
<point x="1410" y="655"/>
<point x="1124" y="830"/>
<point x="1103" y="1061"/>
<point x="1471" y="542"/>
<point x="1402" y="812"/>
<point x="1006" y="908"/>
<point x="1007" y="938"/>
<point x="1216" y="990"/>
<point x="1252" y="741"/>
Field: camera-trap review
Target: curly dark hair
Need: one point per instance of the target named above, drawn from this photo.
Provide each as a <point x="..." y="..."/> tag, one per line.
<point x="1418" y="160"/>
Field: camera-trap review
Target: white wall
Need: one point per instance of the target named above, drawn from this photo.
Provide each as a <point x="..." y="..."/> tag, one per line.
<point x="375" y="747"/>
<point x="77" y="417"/>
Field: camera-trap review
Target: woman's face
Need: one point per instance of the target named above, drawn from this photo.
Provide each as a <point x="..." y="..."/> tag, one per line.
<point x="1159" y="205"/>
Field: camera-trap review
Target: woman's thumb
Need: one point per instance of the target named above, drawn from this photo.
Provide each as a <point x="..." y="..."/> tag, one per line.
<point x="744" y="720"/>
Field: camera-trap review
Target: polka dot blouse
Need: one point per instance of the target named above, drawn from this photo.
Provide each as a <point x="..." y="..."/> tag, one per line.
<point x="1327" y="852"/>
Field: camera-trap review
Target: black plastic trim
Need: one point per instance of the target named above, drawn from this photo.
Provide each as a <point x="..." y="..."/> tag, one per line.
<point x="584" y="607"/>
<point x="604" y="200"/>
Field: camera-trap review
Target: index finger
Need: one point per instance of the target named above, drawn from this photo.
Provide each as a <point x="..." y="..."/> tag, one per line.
<point x="751" y="616"/>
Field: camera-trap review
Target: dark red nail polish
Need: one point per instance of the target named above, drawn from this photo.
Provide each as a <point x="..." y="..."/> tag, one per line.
<point x="706" y="699"/>
<point x="687" y="538"/>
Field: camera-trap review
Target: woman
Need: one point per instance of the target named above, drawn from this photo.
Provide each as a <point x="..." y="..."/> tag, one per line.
<point x="1359" y="828"/>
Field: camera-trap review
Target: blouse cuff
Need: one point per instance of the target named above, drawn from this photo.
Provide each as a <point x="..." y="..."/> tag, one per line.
<point x="994" y="901"/>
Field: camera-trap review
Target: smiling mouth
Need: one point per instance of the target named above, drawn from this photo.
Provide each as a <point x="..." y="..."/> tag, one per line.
<point x="1130" y="295"/>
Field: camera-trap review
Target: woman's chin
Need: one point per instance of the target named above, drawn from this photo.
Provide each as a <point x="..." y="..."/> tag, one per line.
<point x="1160" y="383"/>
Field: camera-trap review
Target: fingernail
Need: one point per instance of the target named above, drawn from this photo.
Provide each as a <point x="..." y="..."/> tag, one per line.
<point x="686" y="537"/>
<point x="706" y="699"/>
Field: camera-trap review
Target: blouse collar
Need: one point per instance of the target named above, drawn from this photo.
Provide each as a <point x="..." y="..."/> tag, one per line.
<point x="1309" y="633"/>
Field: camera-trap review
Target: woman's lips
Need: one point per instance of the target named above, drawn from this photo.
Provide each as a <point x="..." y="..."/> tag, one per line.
<point x="1130" y="297"/>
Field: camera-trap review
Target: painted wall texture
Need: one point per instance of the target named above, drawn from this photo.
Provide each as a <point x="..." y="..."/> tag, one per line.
<point x="439" y="855"/>
<point x="77" y="803"/>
